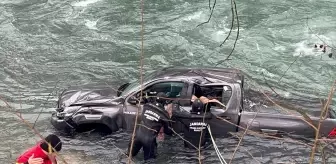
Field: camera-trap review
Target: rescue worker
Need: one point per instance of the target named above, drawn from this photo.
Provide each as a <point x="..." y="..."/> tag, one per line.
<point x="43" y="152"/>
<point x="194" y="128"/>
<point x="153" y="118"/>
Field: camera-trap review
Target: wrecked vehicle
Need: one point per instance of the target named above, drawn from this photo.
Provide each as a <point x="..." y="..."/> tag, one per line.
<point x="116" y="109"/>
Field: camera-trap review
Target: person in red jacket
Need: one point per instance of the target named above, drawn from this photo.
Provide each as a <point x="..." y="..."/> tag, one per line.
<point x="42" y="153"/>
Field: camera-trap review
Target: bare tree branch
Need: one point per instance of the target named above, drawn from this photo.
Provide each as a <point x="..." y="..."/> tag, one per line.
<point x="269" y="86"/>
<point x="234" y="45"/>
<point x="232" y="21"/>
<point x="213" y="7"/>
<point x="244" y="148"/>
<point x="183" y="138"/>
<point x="288" y="68"/>
<point x="241" y="138"/>
<point x="316" y="34"/>
<point x="45" y="102"/>
<point x="11" y="109"/>
<point x="141" y="79"/>
<point x="284" y="106"/>
<point x="264" y="135"/>
<point x="317" y="131"/>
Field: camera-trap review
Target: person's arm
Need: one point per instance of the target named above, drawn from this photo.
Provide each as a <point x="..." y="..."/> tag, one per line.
<point x="193" y="98"/>
<point x="167" y="121"/>
<point x="170" y="109"/>
<point x="216" y="101"/>
<point x="204" y="100"/>
<point x="166" y="128"/>
<point x="32" y="160"/>
<point x="52" y="159"/>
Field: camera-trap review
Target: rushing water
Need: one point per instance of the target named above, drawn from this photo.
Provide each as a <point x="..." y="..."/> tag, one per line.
<point x="47" y="45"/>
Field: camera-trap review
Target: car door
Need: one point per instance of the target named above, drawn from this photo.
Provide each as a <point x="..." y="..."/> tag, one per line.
<point x="174" y="89"/>
<point x="230" y="96"/>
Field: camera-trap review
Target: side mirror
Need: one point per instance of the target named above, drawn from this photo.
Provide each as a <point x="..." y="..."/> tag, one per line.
<point x="133" y="100"/>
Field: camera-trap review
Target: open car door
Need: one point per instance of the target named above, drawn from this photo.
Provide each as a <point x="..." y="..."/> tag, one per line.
<point x="224" y="119"/>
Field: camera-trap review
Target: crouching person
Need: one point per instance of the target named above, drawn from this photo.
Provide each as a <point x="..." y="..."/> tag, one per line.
<point x="154" y="117"/>
<point x="43" y="152"/>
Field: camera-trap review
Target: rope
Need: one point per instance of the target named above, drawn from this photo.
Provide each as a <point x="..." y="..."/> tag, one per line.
<point x="222" y="160"/>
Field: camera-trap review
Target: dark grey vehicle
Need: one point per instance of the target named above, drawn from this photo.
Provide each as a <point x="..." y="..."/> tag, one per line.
<point x="82" y="108"/>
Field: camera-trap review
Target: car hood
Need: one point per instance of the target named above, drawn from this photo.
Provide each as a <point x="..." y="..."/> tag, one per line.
<point x="89" y="97"/>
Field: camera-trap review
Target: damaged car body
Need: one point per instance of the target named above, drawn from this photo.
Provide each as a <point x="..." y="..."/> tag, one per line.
<point x="116" y="109"/>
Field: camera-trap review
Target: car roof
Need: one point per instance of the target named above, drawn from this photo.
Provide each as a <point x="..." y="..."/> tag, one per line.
<point x="224" y="74"/>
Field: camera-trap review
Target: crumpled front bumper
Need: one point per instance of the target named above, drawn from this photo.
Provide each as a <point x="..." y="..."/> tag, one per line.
<point x="61" y="123"/>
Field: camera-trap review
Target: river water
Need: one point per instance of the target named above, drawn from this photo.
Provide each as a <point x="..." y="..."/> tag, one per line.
<point x="48" y="45"/>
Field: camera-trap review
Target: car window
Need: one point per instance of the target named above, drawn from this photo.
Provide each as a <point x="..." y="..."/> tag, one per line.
<point x="171" y="89"/>
<point x="135" y="85"/>
<point x="223" y="93"/>
<point x="226" y="94"/>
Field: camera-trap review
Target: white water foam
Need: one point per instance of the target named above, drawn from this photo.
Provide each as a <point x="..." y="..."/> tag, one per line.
<point x="257" y="46"/>
<point x="265" y="72"/>
<point x="194" y="16"/>
<point x="220" y="35"/>
<point x="160" y="59"/>
<point x="11" y="2"/>
<point x="84" y="3"/>
<point x="306" y="47"/>
<point x="91" y="24"/>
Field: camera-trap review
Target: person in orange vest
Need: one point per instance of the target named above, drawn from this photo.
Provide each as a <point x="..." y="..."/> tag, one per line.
<point x="43" y="152"/>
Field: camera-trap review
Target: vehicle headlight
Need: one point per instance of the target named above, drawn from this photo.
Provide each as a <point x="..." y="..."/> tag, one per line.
<point x="63" y="114"/>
